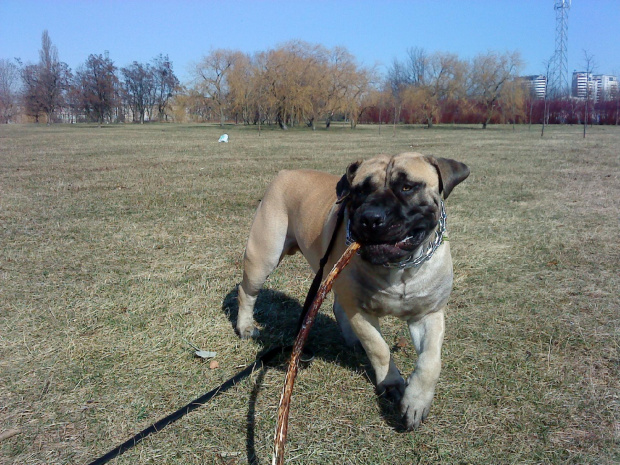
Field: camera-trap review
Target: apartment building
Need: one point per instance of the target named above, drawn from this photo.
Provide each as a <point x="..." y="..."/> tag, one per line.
<point x="583" y="84"/>
<point x="599" y="87"/>
<point x="606" y="87"/>
<point x="536" y="84"/>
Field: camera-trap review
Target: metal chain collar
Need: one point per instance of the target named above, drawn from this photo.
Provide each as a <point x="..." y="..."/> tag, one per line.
<point x="427" y="252"/>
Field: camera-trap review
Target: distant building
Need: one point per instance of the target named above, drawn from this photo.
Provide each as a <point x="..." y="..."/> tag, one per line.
<point x="582" y="84"/>
<point x="606" y="87"/>
<point x="600" y="87"/>
<point x="536" y="84"/>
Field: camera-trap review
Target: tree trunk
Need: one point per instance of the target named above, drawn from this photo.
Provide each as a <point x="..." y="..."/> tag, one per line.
<point x="395" y="115"/>
<point x="280" y="120"/>
<point x="542" y="131"/>
<point x="328" y="120"/>
<point x="585" y="118"/>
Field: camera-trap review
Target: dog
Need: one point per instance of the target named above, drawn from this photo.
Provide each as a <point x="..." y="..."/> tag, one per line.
<point x="394" y="209"/>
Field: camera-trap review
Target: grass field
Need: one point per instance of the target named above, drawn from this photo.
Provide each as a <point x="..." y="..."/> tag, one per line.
<point x="121" y="245"/>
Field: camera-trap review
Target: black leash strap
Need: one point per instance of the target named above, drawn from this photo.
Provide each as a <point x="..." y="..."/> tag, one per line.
<point x="318" y="278"/>
<point x="260" y="362"/>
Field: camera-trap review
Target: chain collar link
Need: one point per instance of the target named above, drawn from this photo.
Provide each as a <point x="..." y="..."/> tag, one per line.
<point x="427" y="252"/>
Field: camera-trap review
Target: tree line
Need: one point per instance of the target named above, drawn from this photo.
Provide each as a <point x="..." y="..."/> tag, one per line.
<point x="98" y="91"/>
<point x="295" y="84"/>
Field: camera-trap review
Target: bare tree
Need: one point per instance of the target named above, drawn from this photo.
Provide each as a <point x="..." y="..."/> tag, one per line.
<point x="347" y="86"/>
<point x="9" y="81"/>
<point x="443" y="79"/>
<point x="32" y="91"/>
<point x="417" y="66"/>
<point x="295" y="83"/>
<point x="489" y="72"/>
<point x="287" y="74"/>
<point x="98" y="86"/>
<point x="359" y="85"/>
<point x="138" y="89"/>
<point x="243" y="88"/>
<point x="413" y="71"/>
<point x="588" y="61"/>
<point x="45" y="83"/>
<point x="548" y="65"/>
<point x="165" y="84"/>
<point x="263" y="99"/>
<point x="211" y="76"/>
<point x="423" y="82"/>
<point x="53" y="77"/>
<point x="513" y="100"/>
<point x="403" y="76"/>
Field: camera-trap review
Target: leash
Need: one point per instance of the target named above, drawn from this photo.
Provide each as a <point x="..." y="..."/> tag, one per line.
<point x="316" y="282"/>
<point x="261" y="362"/>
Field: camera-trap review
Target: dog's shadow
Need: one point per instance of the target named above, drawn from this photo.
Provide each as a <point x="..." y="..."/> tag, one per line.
<point x="277" y="315"/>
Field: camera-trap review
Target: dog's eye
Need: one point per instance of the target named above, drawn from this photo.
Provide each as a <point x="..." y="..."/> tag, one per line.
<point x="410" y="187"/>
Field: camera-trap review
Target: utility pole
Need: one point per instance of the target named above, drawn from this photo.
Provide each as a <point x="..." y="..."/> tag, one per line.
<point x="559" y="76"/>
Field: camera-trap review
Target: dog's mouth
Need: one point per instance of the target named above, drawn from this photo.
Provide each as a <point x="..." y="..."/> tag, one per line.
<point x="389" y="252"/>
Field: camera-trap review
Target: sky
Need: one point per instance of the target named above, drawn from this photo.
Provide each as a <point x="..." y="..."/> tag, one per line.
<point x="375" y="32"/>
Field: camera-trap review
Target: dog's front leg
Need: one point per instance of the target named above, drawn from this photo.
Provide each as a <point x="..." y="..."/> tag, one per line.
<point x="427" y="335"/>
<point x="388" y="379"/>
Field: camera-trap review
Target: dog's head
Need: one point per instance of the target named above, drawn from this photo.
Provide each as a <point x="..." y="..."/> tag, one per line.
<point x="394" y="202"/>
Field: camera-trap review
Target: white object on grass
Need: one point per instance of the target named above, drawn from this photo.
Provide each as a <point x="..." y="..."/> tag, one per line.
<point x="205" y="354"/>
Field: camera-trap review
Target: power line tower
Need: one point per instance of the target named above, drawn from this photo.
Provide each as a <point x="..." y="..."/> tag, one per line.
<point x="559" y="79"/>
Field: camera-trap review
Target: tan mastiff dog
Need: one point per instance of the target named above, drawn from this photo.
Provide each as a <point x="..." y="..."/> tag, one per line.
<point x="394" y="209"/>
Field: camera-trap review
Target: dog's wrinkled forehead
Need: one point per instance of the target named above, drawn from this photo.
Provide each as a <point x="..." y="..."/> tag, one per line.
<point x="382" y="170"/>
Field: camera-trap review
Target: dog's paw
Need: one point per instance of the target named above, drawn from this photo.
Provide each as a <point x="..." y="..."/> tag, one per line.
<point x="414" y="408"/>
<point x="247" y="331"/>
<point x="393" y="391"/>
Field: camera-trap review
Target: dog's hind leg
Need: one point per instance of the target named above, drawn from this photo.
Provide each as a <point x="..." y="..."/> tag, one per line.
<point x="267" y="244"/>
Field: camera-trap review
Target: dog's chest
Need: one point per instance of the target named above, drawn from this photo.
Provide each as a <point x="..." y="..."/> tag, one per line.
<point x="404" y="293"/>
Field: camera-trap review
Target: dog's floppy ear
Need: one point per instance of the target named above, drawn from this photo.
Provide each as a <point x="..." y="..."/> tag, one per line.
<point x="451" y="173"/>
<point x="343" y="188"/>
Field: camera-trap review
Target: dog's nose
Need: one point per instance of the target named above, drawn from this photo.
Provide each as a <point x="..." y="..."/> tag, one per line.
<point x="373" y="219"/>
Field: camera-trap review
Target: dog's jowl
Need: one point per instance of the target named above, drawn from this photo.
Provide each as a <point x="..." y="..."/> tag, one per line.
<point x="394" y="209"/>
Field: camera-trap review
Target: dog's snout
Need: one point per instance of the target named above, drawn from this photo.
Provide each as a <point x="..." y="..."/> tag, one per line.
<point x="373" y="219"/>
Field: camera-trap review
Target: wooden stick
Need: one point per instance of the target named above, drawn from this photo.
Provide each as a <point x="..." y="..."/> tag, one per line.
<point x="293" y="365"/>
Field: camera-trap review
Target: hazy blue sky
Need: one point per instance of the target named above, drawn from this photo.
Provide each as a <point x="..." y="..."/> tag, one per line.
<point x="375" y="32"/>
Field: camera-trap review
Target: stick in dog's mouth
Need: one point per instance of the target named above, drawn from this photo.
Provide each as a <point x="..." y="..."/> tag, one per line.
<point x="293" y="365"/>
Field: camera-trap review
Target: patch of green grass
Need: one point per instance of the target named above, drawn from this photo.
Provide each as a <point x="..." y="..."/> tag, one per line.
<point x="119" y="244"/>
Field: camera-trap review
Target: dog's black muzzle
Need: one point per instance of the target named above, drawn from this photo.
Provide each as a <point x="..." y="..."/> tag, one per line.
<point x="389" y="233"/>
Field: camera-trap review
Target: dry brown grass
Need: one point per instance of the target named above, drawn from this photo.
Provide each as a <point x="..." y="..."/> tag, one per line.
<point x="118" y="244"/>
